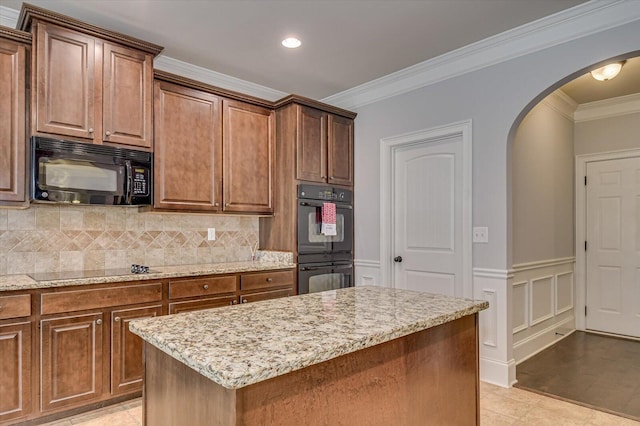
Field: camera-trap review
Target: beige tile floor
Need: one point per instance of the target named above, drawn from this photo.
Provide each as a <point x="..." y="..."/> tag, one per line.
<point x="498" y="406"/>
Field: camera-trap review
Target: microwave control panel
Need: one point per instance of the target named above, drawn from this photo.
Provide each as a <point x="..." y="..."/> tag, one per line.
<point x="141" y="181"/>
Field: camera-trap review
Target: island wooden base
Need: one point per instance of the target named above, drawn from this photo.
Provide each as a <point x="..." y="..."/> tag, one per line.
<point x="426" y="378"/>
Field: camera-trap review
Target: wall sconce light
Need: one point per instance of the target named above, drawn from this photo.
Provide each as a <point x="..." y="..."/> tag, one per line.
<point x="607" y="72"/>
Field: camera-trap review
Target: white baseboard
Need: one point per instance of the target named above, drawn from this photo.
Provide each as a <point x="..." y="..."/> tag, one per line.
<point x="536" y="343"/>
<point x="497" y="372"/>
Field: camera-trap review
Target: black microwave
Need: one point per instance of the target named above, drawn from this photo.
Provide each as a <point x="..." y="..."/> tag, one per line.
<point x="83" y="173"/>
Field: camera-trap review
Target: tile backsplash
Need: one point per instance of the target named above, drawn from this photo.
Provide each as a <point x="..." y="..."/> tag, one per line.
<point x="55" y="238"/>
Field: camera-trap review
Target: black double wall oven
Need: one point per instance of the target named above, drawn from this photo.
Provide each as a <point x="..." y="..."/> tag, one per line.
<point x="325" y="262"/>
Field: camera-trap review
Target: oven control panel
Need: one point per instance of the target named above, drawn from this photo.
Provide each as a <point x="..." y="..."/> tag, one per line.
<point x="325" y="193"/>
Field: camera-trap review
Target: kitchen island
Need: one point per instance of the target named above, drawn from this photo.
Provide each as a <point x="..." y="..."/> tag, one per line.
<point x="356" y="356"/>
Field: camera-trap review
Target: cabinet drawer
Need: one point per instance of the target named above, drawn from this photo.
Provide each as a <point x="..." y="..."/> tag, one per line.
<point x="15" y="306"/>
<point x="266" y="280"/>
<point x="195" y="305"/>
<point x="69" y="301"/>
<point x="194" y="287"/>
<point x="265" y="295"/>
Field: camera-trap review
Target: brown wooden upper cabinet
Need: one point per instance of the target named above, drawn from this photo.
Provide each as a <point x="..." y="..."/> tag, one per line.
<point x="324" y="147"/>
<point x="13" y="124"/>
<point x="248" y="159"/>
<point x="188" y="148"/>
<point x="211" y="153"/>
<point x="91" y="89"/>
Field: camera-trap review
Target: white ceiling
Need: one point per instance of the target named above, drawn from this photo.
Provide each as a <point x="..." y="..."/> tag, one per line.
<point x="345" y="42"/>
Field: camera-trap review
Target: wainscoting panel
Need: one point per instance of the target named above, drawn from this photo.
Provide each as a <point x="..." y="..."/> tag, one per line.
<point x="367" y="272"/>
<point x="543" y="301"/>
<point x="520" y="306"/>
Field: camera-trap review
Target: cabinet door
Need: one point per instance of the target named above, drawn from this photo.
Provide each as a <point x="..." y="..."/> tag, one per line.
<point x="12" y="125"/>
<point x="188" y="148"/>
<point x="71" y="360"/>
<point x="15" y="370"/>
<point x="126" y="349"/>
<point x="65" y="82"/>
<point x="249" y="150"/>
<point x="311" y="145"/>
<point x="340" y="149"/>
<point x="127" y="96"/>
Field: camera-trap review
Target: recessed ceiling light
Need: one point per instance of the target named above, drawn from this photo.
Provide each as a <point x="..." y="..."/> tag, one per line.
<point x="291" y="42"/>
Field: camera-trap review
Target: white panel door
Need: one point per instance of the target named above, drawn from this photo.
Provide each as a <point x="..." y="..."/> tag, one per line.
<point x="427" y="217"/>
<point x="613" y="244"/>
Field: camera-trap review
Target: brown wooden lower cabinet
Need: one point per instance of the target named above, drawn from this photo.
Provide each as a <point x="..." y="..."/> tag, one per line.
<point x="15" y="370"/>
<point x="83" y="354"/>
<point x="126" y="349"/>
<point x="71" y="360"/>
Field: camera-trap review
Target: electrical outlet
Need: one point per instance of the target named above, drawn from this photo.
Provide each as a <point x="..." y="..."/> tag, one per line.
<point x="211" y="234"/>
<point x="480" y="234"/>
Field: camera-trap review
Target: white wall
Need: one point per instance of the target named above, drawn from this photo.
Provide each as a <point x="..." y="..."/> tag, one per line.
<point x="542" y="185"/>
<point x="493" y="98"/>
<point x="607" y="134"/>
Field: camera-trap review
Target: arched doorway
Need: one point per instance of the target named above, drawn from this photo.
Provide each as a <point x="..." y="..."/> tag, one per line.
<point x="574" y="118"/>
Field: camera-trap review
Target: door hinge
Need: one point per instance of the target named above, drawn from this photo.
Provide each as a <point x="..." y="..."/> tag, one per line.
<point x="585" y="311"/>
<point x="585" y="246"/>
<point x="585" y="181"/>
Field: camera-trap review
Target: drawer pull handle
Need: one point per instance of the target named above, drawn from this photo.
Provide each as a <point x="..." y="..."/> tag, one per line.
<point x="206" y="286"/>
<point x="90" y="129"/>
<point x="116" y="319"/>
<point x="269" y="280"/>
<point x="234" y="302"/>
<point x="244" y="300"/>
<point x="98" y="321"/>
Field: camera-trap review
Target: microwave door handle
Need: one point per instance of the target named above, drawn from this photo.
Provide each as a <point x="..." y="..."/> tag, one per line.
<point x="316" y="268"/>
<point x="129" y="193"/>
<point x="338" y="205"/>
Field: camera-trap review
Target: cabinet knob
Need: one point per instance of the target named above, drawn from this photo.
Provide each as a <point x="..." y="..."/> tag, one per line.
<point x="206" y="286"/>
<point x="244" y="300"/>
<point x="227" y="204"/>
<point x="90" y="129"/>
<point x="217" y="204"/>
<point x="269" y="280"/>
<point x="108" y="133"/>
<point x="98" y="321"/>
<point x="116" y="319"/>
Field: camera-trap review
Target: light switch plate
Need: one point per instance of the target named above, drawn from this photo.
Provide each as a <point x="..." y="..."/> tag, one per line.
<point x="480" y="234"/>
<point x="211" y="234"/>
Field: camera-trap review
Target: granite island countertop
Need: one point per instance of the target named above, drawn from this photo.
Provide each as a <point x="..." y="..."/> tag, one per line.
<point x="240" y="345"/>
<point x="269" y="261"/>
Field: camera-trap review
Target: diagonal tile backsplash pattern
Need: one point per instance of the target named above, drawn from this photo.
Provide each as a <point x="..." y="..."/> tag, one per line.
<point x="57" y="238"/>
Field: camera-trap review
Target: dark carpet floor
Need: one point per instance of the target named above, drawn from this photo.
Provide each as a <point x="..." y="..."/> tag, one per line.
<point x="598" y="371"/>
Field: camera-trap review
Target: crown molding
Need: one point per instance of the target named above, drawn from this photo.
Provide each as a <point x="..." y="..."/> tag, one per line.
<point x="8" y="16"/>
<point x="579" y="21"/>
<point x="614" y="107"/>
<point x="214" y="78"/>
<point x="561" y="103"/>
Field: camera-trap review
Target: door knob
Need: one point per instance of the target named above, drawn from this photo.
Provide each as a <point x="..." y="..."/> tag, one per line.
<point x="397" y="259"/>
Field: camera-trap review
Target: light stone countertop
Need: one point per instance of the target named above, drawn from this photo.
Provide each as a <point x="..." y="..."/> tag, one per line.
<point x="240" y="345"/>
<point x="267" y="261"/>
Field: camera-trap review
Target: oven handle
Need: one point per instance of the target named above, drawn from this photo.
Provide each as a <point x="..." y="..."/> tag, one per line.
<point x="338" y="205"/>
<point x="328" y="267"/>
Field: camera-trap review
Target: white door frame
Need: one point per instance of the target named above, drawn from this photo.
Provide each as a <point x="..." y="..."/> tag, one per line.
<point x="388" y="148"/>
<point x="581" y="225"/>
